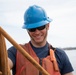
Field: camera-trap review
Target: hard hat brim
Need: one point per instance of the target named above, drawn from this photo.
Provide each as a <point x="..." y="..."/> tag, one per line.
<point x="34" y="25"/>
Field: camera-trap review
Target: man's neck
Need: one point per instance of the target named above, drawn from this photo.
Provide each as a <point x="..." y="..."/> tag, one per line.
<point x="38" y="44"/>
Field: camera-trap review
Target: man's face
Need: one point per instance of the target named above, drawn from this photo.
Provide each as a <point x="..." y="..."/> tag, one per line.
<point x="39" y="35"/>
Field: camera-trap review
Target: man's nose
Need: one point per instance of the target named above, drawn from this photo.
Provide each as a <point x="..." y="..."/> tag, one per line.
<point x="37" y="31"/>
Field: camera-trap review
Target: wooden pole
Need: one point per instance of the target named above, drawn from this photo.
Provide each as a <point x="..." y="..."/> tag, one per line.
<point x="24" y="53"/>
<point x="0" y="73"/>
<point x="4" y="68"/>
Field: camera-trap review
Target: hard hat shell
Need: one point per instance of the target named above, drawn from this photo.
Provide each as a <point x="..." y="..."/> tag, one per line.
<point x="35" y="16"/>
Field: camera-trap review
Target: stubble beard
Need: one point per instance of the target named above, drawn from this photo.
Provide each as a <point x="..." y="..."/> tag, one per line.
<point x="41" y="42"/>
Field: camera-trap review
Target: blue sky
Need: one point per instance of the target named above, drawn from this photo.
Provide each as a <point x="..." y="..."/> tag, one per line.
<point x="62" y="32"/>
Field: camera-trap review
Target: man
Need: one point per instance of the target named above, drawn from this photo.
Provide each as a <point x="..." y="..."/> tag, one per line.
<point x="37" y="23"/>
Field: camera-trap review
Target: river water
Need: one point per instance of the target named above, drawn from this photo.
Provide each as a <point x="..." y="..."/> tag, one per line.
<point x="72" y="57"/>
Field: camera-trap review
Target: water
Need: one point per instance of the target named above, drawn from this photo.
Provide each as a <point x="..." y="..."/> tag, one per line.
<point x="72" y="57"/>
<point x="12" y="31"/>
<point x="71" y="54"/>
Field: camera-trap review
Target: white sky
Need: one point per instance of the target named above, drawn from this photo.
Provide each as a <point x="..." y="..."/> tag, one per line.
<point x="62" y="29"/>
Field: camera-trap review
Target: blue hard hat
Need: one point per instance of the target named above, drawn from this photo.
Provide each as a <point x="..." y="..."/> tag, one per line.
<point x="35" y="16"/>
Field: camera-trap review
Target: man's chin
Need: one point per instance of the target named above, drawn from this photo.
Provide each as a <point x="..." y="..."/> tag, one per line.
<point x="38" y="42"/>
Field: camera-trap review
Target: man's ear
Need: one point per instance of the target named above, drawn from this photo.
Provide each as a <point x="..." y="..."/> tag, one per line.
<point x="47" y="26"/>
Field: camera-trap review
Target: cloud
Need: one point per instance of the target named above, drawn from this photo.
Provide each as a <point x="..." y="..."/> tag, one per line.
<point x="63" y="13"/>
